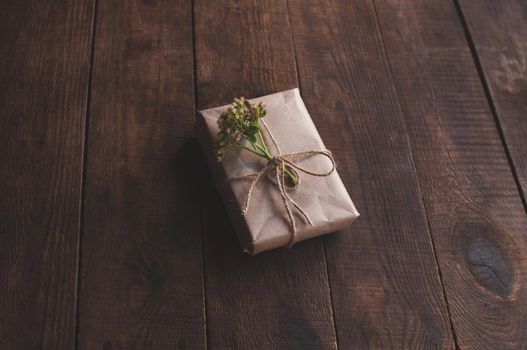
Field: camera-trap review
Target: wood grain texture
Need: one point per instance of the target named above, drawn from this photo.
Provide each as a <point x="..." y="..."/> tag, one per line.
<point x="498" y="29"/>
<point x="278" y="299"/>
<point x="476" y="216"/>
<point x="142" y="282"/>
<point x="383" y="274"/>
<point x="44" y="69"/>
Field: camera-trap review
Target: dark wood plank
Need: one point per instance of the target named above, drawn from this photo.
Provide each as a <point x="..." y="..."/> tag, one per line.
<point x="383" y="274"/>
<point x="278" y="299"/>
<point x="476" y="216"/>
<point x="499" y="32"/>
<point x="44" y="70"/>
<point x="142" y="282"/>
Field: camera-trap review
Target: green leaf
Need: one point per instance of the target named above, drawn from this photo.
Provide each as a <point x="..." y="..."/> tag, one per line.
<point x="251" y="138"/>
<point x="251" y="130"/>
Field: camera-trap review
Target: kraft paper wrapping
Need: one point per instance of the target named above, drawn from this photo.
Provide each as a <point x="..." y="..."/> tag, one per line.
<point x="265" y="225"/>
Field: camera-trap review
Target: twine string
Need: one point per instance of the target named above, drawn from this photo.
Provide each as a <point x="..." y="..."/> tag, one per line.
<point x="279" y="163"/>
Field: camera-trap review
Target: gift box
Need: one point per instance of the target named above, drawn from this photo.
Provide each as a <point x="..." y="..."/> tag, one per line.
<point x="266" y="211"/>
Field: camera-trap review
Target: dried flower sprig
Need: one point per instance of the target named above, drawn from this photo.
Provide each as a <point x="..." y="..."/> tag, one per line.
<point x="241" y="122"/>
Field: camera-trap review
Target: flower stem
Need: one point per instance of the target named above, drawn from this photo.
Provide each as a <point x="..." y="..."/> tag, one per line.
<point x="252" y="151"/>
<point x="287" y="172"/>
<point x="262" y="139"/>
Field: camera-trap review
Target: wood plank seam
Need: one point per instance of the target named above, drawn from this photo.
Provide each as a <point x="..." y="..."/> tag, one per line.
<point x="488" y="95"/>
<point x="331" y="297"/>
<point x="299" y="81"/>
<point x="83" y="178"/>
<point x="294" y="46"/>
<point x="201" y="205"/>
<point x="432" y="242"/>
<point x="195" y="89"/>
<point x="204" y="280"/>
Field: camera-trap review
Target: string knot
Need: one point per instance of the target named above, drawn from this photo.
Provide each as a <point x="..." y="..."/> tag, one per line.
<point x="276" y="161"/>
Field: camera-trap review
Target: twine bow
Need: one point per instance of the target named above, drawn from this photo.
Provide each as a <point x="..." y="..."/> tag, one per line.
<point x="279" y="163"/>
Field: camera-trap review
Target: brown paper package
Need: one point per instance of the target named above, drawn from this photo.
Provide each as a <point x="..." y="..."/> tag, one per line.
<point x="265" y="225"/>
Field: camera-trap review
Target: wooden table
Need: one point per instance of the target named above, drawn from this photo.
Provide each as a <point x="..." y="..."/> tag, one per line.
<point x="113" y="237"/>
